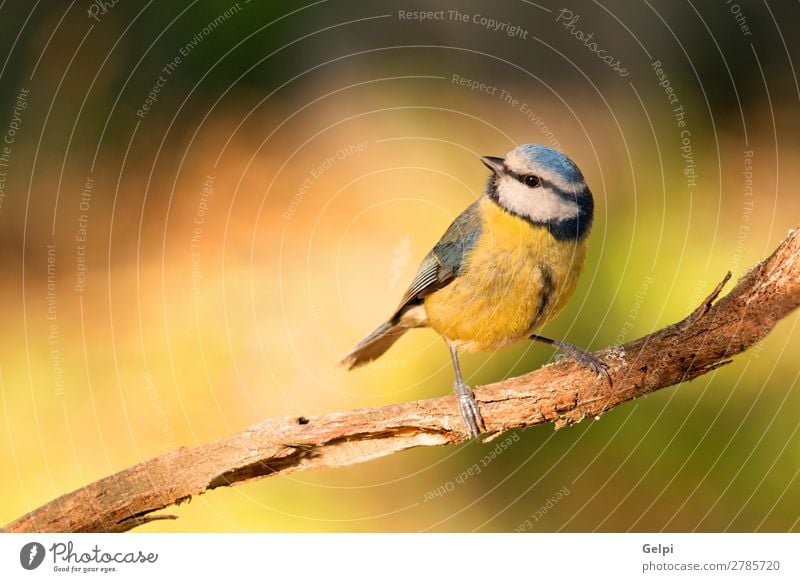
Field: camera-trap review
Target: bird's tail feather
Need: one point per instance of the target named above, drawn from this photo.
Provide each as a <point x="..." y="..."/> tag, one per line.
<point x="375" y="344"/>
<point x="380" y="340"/>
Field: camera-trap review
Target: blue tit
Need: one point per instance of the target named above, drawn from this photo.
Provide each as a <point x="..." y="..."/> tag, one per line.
<point x="507" y="265"/>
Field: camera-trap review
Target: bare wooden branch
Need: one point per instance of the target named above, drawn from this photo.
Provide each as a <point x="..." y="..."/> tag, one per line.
<point x="562" y="393"/>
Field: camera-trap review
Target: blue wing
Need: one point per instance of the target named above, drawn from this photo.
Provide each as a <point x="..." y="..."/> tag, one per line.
<point x="446" y="259"/>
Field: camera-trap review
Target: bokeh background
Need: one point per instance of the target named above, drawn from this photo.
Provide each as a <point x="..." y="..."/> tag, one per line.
<point x="179" y="265"/>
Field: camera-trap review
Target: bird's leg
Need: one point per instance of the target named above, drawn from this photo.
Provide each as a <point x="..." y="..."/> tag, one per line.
<point x="581" y="356"/>
<point x="466" y="400"/>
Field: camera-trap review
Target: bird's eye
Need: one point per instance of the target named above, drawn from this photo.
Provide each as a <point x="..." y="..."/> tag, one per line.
<point x="532" y="181"/>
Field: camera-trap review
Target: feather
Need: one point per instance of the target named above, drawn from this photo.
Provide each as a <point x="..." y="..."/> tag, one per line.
<point x="445" y="260"/>
<point x="439" y="268"/>
<point x="380" y="340"/>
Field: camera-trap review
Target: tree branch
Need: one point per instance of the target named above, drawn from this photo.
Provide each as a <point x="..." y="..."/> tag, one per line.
<point x="562" y="393"/>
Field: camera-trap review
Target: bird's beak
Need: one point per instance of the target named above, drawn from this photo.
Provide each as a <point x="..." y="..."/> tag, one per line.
<point x="494" y="164"/>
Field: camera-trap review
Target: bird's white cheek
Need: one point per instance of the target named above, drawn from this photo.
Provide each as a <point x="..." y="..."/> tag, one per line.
<point x="555" y="207"/>
<point x="539" y="204"/>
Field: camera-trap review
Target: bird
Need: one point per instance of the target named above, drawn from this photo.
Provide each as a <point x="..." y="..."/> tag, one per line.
<point x="505" y="266"/>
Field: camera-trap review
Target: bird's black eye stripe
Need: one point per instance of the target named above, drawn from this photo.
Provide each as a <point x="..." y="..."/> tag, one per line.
<point x="531" y="180"/>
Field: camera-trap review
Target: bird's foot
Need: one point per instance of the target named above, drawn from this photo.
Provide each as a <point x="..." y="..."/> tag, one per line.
<point x="469" y="409"/>
<point x="584" y="358"/>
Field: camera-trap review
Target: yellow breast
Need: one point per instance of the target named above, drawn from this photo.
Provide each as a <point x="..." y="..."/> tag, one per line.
<point x="516" y="277"/>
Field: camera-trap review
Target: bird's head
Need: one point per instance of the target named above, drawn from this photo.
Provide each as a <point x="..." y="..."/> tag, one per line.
<point x="544" y="187"/>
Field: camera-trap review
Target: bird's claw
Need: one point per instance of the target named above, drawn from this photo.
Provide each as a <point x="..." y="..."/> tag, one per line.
<point x="585" y="359"/>
<point x="469" y="409"/>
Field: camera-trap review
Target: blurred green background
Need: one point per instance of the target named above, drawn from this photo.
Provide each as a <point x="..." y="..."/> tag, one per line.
<point x="205" y="204"/>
